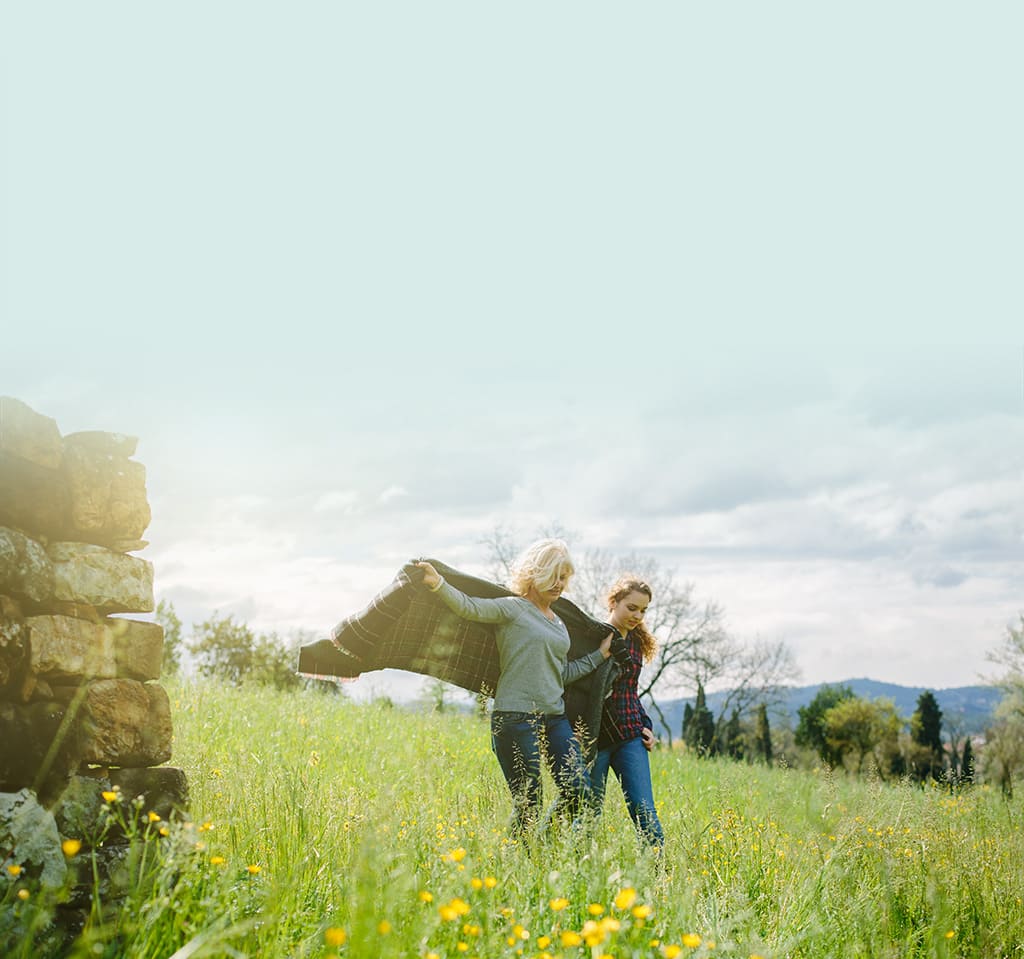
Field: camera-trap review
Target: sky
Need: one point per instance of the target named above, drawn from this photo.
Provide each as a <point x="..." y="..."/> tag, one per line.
<point x="737" y="287"/>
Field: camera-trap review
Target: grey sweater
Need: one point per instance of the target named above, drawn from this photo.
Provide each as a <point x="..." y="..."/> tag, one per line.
<point x="532" y="651"/>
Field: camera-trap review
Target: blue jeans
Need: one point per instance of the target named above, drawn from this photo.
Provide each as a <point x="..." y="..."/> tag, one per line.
<point x="631" y="764"/>
<point x="519" y="740"/>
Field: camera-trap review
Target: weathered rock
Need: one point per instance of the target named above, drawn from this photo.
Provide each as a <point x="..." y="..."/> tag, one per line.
<point x="78" y="809"/>
<point x="113" y="444"/>
<point x="29" y="435"/>
<point x="77" y="610"/>
<point x="26" y="571"/>
<point x="112" y="582"/>
<point x="138" y="648"/>
<point x="108" y="496"/>
<point x="64" y="648"/>
<point x="13" y="642"/>
<point x="126" y="723"/>
<point x="40" y="743"/>
<point x="33" y="498"/>
<point x="164" y="789"/>
<point x="29" y="838"/>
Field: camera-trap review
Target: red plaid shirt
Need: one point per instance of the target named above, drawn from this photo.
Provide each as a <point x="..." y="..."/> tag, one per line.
<point x="624" y="716"/>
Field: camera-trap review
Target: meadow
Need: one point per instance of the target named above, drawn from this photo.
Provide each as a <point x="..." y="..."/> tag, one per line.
<point x="322" y="828"/>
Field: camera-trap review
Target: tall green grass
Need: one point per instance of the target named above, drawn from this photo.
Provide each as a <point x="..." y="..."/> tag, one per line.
<point x="320" y="827"/>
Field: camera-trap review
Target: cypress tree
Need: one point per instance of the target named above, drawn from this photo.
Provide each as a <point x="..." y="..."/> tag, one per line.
<point x="926" y="731"/>
<point x="763" y="734"/>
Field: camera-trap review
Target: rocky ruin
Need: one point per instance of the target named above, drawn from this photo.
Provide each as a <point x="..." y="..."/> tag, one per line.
<point x="81" y="710"/>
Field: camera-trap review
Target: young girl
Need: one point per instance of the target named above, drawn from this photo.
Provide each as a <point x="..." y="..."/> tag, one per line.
<point x="626" y="730"/>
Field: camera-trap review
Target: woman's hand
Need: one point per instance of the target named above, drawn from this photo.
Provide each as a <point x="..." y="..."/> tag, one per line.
<point x="606" y="645"/>
<point x="431" y="577"/>
<point x="649" y="738"/>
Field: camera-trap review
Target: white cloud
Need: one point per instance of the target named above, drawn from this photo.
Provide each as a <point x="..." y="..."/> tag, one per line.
<point x="337" y="501"/>
<point x="392" y="493"/>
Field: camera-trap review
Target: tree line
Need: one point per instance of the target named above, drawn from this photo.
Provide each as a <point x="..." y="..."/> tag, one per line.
<point x="695" y="651"/>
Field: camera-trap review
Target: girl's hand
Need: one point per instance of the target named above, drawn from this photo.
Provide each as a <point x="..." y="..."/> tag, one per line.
<point x="606" y="645"/>
<point x="649" y="738"/>
<point x="431" y="577"/>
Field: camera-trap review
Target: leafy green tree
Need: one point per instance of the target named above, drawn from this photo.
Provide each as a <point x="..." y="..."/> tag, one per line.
<point x="928" y="761"/>
<point x="811" y="730"/>
<point x="273" y="663"/>
<point x="858" y="728"/>
<point x="223" y="649"/>
<point x="173" y="640"/>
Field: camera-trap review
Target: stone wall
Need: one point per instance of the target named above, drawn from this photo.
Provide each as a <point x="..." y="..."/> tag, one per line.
<point x="81" y="710"/>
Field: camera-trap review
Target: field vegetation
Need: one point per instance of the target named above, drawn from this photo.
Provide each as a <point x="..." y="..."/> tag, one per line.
<point x="320" y="827"/>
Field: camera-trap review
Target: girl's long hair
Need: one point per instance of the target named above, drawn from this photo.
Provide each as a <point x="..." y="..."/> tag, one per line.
<point x="623" y="586"/>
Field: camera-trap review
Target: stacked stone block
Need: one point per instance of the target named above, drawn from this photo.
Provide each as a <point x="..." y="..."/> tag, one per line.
<point x="81" y="708"/>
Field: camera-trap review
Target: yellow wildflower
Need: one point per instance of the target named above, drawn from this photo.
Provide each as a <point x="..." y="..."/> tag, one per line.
<point x="476" y="883"/>
<point x="426" y="896"/>
<point x="253" y="869"/>
<point x="670" y="952"/>
<point x="335" y="936"/>
<point x="109" y="795"/>
<point x="217" y="860"/>
<point x="23" y="894"/>
<point x="625" y="898"/>
<point x="14" y="870"/>
<point x="557" y="905"/>
<point x="642" y="912"/>
<point x="490" y="882"/>
<point x="543" y="942"/>
<point x="691" y="940"/>
<point x="71" y="847"/>
<point x="153" y="817"/>
<point x="595" y="909"/>
<point x="570" y="938"/>
<point x="384" y="927"/>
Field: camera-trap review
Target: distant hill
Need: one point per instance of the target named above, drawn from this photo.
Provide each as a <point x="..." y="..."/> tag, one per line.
<point x="971" y="706"/>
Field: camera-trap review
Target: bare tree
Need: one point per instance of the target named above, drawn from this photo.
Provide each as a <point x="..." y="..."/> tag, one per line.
<point x="694" y="646"/>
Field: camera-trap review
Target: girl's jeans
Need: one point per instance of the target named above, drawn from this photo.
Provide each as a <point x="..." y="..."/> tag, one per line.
<point x="631" y="764"/>
<point x="519" y="740"/>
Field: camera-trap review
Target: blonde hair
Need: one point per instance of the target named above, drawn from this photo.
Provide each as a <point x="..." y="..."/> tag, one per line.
<point x="540" y="565"/>
<point x="622" y="587"/>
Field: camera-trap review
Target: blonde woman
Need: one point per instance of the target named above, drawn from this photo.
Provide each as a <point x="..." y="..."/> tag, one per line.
<point x="529" y="719"/>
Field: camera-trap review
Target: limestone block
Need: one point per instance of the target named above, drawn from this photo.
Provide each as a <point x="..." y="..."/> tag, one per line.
<point x="29" y="435"/>
<point x="33" y="498"/>
<point x="112" y="582"/>
<point x="13" y="641"/>
<point x="107" y="495"/>
<point x="138" y="648"/>
<point x="29" y="838"/>
<point x="126" y="723"/>
<point x="40" y="740"/>
<point x="112" y="444"/>
<point x="26" y="571"/>
<point x="64" y="648"/>
<point x="164" y="790"/>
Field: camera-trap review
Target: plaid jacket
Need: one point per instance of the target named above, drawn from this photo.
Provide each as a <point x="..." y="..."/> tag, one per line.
<point x="624" y="717"/>
<point x="406" y="627"/>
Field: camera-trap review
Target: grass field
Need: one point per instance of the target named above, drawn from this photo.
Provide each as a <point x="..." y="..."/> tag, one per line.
<point x="320" y="827"/>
